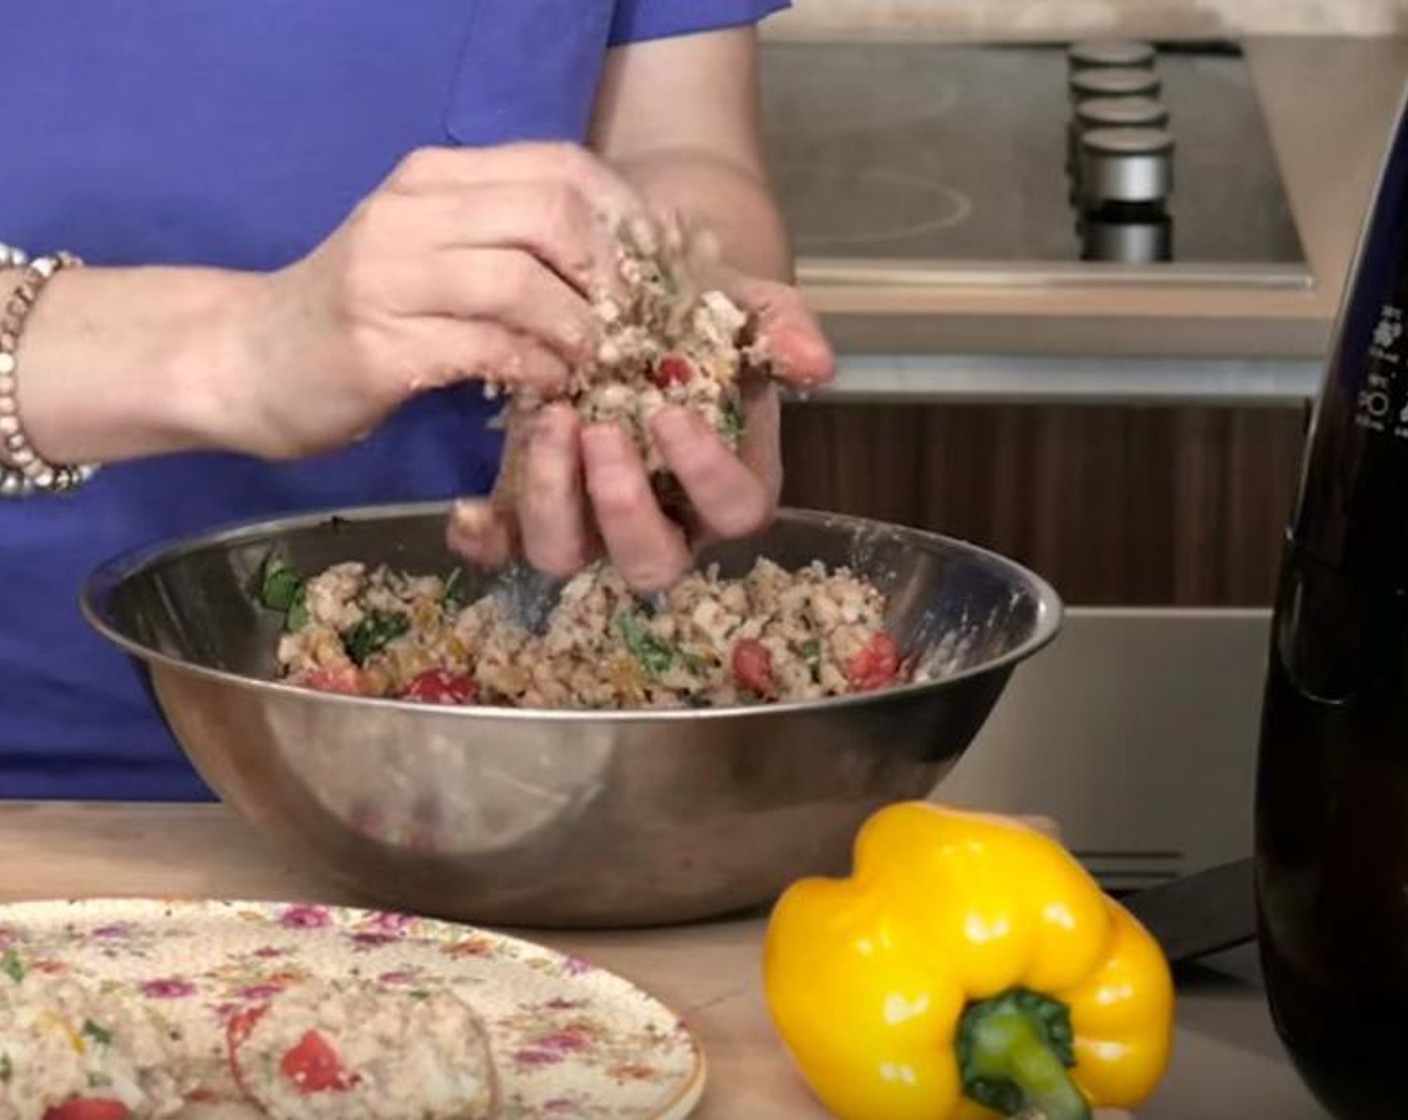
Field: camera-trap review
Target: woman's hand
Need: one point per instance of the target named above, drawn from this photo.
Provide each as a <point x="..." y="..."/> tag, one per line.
<point x="465" y="263"/>
<point x="584" y="493"/>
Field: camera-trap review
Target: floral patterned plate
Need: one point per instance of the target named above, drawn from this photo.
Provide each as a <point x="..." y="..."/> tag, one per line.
<point x="568" y="1039"/>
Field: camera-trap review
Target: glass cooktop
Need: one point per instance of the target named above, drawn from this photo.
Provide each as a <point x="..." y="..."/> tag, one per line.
<point x="927" y="159"/>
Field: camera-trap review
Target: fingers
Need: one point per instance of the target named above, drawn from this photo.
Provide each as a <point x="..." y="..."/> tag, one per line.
<point x="552" y="513"/>
<point x="761" y="447"/>
<point x="443" y="169"/>
<point x="799" y="351"/>
<point x="480" y="533"/>
<point x="647" y="548"/>
<point x="506" y="287"/>
<point x="551" y="220"/>
<point x="554" y="531"/>
<point x="571" y="478"/>
<point x="729" y="497"/>
<point x="542" y="515"/>
<point x="441" y="351"/>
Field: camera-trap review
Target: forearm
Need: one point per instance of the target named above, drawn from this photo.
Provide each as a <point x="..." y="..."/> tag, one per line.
<point x="124" y="363"/>
<point x="733" y="201"/>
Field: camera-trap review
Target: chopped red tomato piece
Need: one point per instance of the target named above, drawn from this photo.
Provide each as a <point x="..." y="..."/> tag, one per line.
<point x="89" y="1108"/>
<point x="672" y="370"/>
<point x="875" y="666"/>
<point x="315" y="1067"/>
<point x="752" y="668"/>
<point x="346" y="680"/>
<point x="440" y="686"/>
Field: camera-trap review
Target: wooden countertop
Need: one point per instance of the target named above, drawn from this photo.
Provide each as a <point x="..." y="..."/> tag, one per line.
<point x="1226" y="1061"/>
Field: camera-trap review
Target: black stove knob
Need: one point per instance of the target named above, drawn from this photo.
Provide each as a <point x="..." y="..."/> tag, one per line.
<point x="1125" y="165"/>
<point x="1096" y="54"/>
<point x="1107" y="82"/>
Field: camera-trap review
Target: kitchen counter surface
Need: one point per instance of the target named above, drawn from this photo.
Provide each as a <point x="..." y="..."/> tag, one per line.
<point x="1227" y="1062"/>
<point x="1329" y="104"/>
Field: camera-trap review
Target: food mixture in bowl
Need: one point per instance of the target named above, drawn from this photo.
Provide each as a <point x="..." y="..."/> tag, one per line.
<point x="773" y="635"/>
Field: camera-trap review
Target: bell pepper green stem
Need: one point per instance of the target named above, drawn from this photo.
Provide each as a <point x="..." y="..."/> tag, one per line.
<point x="1015" y="1053"/>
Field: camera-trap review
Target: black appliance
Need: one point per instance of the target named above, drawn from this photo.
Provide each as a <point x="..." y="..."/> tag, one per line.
<point x="1331" y="858"/>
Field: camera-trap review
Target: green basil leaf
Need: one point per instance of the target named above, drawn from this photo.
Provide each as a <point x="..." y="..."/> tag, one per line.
<point x="373" y="634"/>
<point x="12" y="966"/>
<point x="279" y="586"/>
<point x="653" y="654"/>
<point x="452" y="595"/>
<point x="101" y="1035"/>
<point x="733" y="423"/>
<point x="297" y="617"/>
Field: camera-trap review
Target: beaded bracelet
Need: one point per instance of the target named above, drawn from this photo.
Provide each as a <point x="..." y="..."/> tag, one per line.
<point x="27" y="472"/>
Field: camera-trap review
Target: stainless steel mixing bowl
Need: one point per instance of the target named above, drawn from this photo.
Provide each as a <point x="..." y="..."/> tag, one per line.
<point x="564" y="818"/>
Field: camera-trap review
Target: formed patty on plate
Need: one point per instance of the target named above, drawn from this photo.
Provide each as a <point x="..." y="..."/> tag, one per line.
<point x="328" y="1051"/>
<point x="74" y="1047"/>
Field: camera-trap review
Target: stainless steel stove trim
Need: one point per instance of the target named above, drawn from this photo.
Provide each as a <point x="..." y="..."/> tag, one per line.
<point x="1027" y="380"/>
<point x="844" y="272"/>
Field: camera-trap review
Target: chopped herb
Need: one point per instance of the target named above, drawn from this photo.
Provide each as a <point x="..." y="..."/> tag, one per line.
<point x="733" y="421"/>
<point x="12" y="966"/>
<point x="452" y="595"/>
<point x="811" y="653"/>
<point x="297" y="617"/>
<point x="101" y="1035"/>
<point x="654" y="654"/>
<point x="373" y="634"/>
<point x="419" y="993"/>
<point x="279" y="586"/>
<point x="7" y="1069"/>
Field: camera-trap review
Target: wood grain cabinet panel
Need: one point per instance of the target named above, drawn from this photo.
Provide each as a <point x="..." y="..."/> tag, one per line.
<point x="1116" y="506"/>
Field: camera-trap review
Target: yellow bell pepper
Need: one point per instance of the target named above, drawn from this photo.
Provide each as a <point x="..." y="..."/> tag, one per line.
<point x="969" y="967"/>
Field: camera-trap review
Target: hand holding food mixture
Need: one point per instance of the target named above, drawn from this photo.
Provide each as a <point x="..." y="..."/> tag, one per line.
<point x="666" y="430"/>
<point x="667" y="337"/>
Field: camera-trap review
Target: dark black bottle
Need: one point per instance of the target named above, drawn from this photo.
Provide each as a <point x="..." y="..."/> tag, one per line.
<point x="1332" y="781"/>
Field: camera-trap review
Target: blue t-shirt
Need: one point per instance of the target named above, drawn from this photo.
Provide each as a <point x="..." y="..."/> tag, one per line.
<point x="239" y="134"/>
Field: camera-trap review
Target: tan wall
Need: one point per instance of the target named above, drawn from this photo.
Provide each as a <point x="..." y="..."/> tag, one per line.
<point x="1065" y="18"/>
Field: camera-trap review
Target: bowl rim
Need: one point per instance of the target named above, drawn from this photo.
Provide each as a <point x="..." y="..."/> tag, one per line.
<point x="111" y="573"/>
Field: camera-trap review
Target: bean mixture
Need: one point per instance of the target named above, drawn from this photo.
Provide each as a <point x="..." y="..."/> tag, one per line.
<point x="770" y="636"/>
